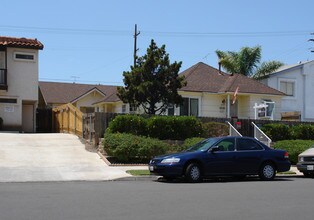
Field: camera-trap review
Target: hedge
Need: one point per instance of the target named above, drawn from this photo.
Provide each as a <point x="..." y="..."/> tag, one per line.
<point x="161" y="127"/>
<point x="278" y="132"/>
<point x="294" y="147"/>
<point x="173" y="127"/>
<point x="302" y="131"/>
<point x="132" y="124"/>
<point x="129" y="147"/>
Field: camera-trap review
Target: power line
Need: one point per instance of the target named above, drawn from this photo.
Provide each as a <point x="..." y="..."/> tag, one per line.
<point x="82" y="81"/>
<point x="159" y="33"/>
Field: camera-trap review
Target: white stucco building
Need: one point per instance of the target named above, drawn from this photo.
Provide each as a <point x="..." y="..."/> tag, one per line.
<point x="19" y="83"/>
<point x="297" y="82"/>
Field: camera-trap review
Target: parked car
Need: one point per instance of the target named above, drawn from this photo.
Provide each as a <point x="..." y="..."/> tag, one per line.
<point x="306" y="162"/>
<point x="222" y="156"/>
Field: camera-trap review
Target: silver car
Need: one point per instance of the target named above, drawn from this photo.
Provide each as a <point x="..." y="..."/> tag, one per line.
<point x="306" y="162"/>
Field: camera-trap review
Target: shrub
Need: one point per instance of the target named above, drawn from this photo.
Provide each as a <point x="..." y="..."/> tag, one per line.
<point x="161" y="127"/>
<point x="302" y="131"/>
<point x="188" y="127"/>
<point x="277" y="132"/>
<point x="132" y="148"/>
<point x="294" y="147"/>
<point x="174" y="127"/>
<point x="132" y="124"/>
<point x="214" y="129"/>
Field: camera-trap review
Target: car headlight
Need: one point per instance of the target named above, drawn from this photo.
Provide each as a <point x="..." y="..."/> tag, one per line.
<point x="301" y="159"/>
<point x="171" y="160"/>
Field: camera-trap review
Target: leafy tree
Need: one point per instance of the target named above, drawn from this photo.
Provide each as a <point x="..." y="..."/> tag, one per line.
<point x="247" y="62"/>
<point x="153" y="81"/>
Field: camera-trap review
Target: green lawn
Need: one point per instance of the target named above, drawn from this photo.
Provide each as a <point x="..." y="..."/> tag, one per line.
<point x="138" y="172"/>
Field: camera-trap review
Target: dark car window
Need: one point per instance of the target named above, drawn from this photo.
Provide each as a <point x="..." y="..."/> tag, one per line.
<point x="226" y="145"/>
<point x="203" y="145"/>
<point x="247" y="145"/>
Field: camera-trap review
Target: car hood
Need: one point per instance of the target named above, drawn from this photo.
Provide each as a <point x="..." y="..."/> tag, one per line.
<point x="308" y="152"/>
<point x="179" y="154"/>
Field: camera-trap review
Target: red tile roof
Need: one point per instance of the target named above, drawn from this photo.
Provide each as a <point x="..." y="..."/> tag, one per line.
<point x="204" y="78"/>
<point x="21" y="43"/>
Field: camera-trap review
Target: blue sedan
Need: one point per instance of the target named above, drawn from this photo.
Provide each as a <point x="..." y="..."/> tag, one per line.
<point x="222" y="156"/>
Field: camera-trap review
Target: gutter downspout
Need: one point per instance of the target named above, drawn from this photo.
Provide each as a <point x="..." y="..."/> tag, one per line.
<point x="303" y="95"/>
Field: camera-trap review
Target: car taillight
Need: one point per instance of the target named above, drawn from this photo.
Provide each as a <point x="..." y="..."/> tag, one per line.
<point x="286" y="155"/>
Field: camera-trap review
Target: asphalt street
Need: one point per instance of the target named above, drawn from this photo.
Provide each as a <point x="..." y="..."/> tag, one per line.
<point x="283" y="198"/>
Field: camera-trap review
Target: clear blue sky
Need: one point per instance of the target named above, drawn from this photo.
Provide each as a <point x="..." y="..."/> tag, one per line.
<point x="93" y="39"/>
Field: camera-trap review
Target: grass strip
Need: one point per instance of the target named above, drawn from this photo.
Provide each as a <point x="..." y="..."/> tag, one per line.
<point x="138" y="172"/>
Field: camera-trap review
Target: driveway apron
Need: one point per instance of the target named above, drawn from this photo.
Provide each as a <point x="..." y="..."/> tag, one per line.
<point x="51" y="157"/>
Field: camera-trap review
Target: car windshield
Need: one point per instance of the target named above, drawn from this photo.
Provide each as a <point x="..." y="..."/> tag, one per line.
<point x="203" y="145"/>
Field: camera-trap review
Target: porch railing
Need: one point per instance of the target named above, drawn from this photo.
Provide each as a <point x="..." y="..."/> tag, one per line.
<point x="260" y="135"/>
<point x="232" y="130"/>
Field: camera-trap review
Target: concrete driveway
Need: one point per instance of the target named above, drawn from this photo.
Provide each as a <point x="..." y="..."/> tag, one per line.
<point x="50" y="157"/>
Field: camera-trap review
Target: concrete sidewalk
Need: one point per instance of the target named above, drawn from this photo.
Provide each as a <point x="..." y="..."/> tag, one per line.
<point x="51" y="157"/>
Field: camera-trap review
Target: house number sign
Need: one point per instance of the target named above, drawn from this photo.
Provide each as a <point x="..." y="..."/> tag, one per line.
<point x="9" y="109"/>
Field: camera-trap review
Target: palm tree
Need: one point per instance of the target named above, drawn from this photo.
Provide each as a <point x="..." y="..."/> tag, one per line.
<point x="247" y="62"/>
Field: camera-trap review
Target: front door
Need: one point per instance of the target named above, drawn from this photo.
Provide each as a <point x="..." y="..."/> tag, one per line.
<point x="28" y="118"/>
<point x="234" y="110"/>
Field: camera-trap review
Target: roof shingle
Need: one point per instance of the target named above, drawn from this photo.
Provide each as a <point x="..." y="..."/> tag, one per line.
<point x="204" y="78"/>
<point x="56" y="92"/>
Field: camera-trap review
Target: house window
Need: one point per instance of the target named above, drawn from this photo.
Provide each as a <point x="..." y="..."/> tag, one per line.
<point x="132" y="108"/>
<point x="2" y="68"/>
<point x="123" y="108"/>
<point x="287" y="87"/>
<point x="170" y="109"/>
<point x="11" y="101"/>
<point x="24" y="56"/>
<point x="2" y="60"/>
<point x="189" y="107"/>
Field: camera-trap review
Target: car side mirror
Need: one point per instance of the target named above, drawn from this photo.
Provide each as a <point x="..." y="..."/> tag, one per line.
<point x="214" y="149"/>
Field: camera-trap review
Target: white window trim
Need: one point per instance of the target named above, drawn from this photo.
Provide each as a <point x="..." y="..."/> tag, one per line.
<point x="24" y="53"/>
<point x="189" y="110"/>
<point x="294" y="81"/>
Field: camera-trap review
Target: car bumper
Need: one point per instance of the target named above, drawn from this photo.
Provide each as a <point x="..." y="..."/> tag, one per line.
<point x="303" y="167"/>
<point x="283" y="166"/>
<point x="169" y="170"/>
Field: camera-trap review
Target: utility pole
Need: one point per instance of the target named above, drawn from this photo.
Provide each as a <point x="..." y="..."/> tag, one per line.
<point x="312" y="50"/>
<point x="135" y="41"/>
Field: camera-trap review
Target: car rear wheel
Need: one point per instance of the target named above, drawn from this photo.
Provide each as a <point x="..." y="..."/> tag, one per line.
<point x="267" y="172"/>
<point x="193" y="173"/>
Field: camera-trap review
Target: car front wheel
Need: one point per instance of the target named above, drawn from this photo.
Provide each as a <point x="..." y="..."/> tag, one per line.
<point x="193" y="173"/>
<point x="267" y="172"/>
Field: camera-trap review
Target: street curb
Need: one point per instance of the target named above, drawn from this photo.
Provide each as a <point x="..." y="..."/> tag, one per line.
<point x="138" y="178"/>
<point x="156" y="178"/>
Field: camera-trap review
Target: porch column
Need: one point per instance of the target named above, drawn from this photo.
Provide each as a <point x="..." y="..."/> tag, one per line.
<point x="228" y="106"/>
